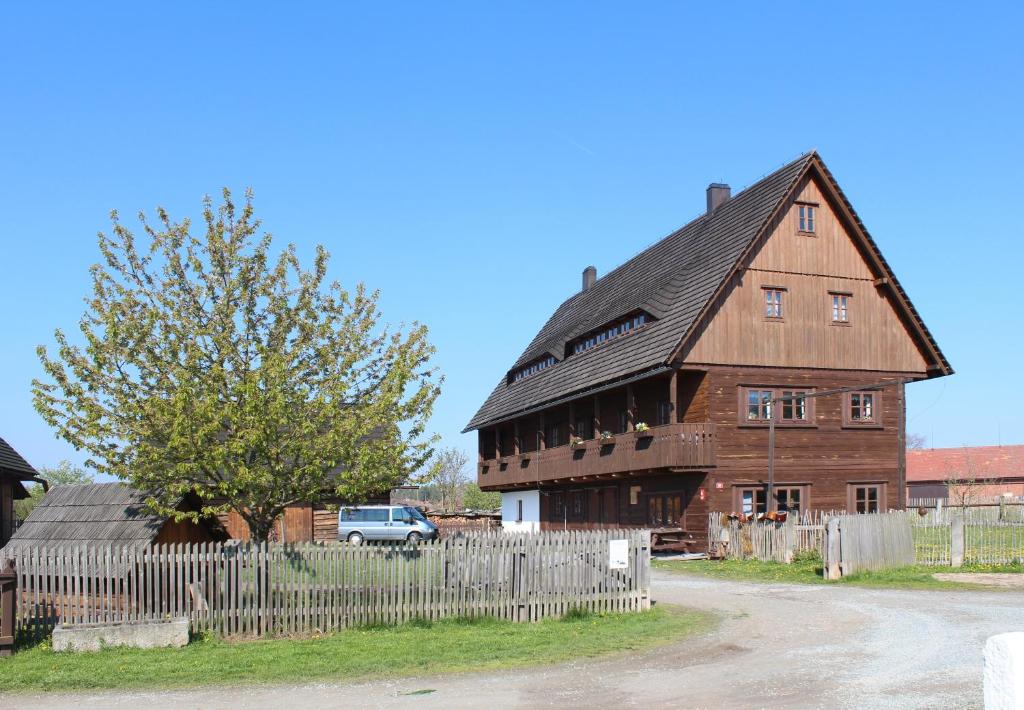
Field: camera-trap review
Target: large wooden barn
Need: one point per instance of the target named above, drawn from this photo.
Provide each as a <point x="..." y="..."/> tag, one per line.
<point x="753" y="360"/>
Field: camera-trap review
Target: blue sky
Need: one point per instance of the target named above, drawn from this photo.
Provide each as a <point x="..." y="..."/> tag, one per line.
<point x="469" y="160"/>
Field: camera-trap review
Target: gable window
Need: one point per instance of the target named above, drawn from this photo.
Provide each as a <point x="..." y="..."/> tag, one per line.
<point x="805" y="218"/>
<point x="773" y="302"/>
<point x="866" y="497"/>
<point x="840" y="307"/>
<point x="664" y="413"/>
<point x="533" y="368"/>
<point x="792" y="406"/>
<point x="862" y="409"/>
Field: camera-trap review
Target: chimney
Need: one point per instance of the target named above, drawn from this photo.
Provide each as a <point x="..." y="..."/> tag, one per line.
<point x="589" y="277"/>
<point x="717" y="194"/>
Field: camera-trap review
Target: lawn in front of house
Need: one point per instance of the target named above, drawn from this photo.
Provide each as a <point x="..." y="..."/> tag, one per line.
<point x="808" y="570"/>
<point x="417" y="648"/>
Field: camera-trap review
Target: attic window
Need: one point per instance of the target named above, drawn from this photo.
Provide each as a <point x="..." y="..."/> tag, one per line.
<point x="533" y="368"/>
<point x="620" y="327"/>
<point x="805" y="218"/>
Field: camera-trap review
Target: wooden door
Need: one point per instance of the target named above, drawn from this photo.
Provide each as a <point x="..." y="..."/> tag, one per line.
<point x="665" y="510"/>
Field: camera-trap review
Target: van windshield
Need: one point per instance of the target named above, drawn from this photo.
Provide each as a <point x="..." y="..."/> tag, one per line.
<point x="417" y="515"/>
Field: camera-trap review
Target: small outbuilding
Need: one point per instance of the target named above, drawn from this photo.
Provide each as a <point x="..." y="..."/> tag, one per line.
<point x="106" y="514"/>
<point x="14" y="473"/>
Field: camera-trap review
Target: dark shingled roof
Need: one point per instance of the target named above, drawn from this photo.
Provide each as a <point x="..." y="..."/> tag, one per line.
<point x="89" y="514"/>
<point x="12" y="462"/>
<point x="672" y="280"/>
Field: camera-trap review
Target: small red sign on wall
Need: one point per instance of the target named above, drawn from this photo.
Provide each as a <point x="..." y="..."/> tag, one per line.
<point x="719" y="485"/>
<point x="703" y="493"/>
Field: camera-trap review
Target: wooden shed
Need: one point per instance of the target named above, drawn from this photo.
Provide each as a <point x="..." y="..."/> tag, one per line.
<point x="105" y="514"/>
<point x="14" y="472"/>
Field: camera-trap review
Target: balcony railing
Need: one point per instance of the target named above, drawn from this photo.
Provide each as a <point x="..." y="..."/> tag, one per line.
<point x="669" y="446"/>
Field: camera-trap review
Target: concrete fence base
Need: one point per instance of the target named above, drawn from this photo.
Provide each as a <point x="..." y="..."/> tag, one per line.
<point x="1004" y="672"/>
<point x="138" y="634"/>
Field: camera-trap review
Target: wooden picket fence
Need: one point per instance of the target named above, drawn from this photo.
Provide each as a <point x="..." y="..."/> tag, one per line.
<point x="279" y="589"/>
<point x="766" y="541"/>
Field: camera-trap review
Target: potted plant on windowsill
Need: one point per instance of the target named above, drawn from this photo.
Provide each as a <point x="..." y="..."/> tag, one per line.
<point x="642" y="431"/>
<point x="577" y="442"/>
<point x="607" y="438"/>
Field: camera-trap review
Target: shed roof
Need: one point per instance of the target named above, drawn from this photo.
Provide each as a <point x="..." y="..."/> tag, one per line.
<point x="980" y="463"/>
<point x="90" y="514"/>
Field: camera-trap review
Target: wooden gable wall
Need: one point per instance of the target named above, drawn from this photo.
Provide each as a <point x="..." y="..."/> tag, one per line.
<point x="808" y="267"/>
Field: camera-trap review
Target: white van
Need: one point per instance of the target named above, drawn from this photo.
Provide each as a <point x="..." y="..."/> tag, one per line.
<point x="394" y="523"/>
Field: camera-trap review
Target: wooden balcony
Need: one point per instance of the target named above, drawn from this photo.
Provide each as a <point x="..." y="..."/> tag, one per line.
<point x="673" y="446"/>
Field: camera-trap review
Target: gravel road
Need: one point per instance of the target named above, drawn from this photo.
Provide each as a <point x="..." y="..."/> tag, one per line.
<point x="779" y="645"/>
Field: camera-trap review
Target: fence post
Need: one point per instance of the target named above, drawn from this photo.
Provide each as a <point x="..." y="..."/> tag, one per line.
<point x="956" y="549"/>
<point x="832" y="549"/>
<point x="8" y="601"/>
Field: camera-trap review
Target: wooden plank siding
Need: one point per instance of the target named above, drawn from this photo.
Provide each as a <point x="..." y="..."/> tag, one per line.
<point x="825" y="456"/>
<point x="808" y="268"/>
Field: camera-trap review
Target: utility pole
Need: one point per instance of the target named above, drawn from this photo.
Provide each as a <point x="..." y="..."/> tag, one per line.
<point x="770" y="503"/>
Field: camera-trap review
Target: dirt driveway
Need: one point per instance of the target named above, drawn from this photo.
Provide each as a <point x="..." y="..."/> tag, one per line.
<point x="779" y="645"/>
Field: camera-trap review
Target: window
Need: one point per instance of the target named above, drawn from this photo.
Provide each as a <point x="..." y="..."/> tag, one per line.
<point x="558" y="509"/>
<point x="793" y="406"/>
<point x="664" y="413"/>
<point x="554" y="437"/>
<point x="752" y="501"/>
<point x="626" y="325"/>
<point x="773" y="302"/>
<point x="759" y="405"/>
<point x="533" y="368"/>
<point x="795" y="409"/>
<point x="519" y="510"/>
<point x="805" y="218"/>
<point x="788" y="500"/>
<point x="862" y="409"/>
<point x="840" y="307"/>
<point x="623" y="421"/>
<point x="867" y="498"/>
<point x="584" y="428"/>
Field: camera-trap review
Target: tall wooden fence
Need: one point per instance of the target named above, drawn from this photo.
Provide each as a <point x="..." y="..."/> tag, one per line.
<point x="859" y="543"/>
<point x="266" y="589"/>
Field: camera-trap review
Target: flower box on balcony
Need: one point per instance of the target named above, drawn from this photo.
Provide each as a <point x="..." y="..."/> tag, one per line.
<point x="643" y="434"/>
<point x="577" y="444"/>
<point x="607" y="438"/>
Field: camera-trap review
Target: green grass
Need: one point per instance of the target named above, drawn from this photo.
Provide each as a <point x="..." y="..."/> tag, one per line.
<point x="360" y="654"/>
<point x="809" y="571"/>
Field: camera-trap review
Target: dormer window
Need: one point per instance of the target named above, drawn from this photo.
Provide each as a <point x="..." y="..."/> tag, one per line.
<point x="805" y="218"/>
<point x="533" y="368"/>
<point x="621" y="327"/>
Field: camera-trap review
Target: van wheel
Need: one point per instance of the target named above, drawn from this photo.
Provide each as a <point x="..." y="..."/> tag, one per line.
<point x="355" y="539"/>
<point x="414" y="537"/>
